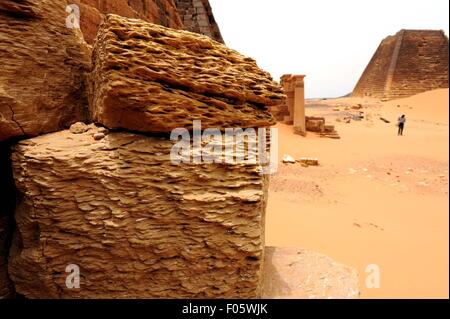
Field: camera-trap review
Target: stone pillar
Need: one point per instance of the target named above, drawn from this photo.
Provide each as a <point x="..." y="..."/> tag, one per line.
<point x="289" y="119"/>
<point x="299" y="105"/>
<point x="286" y="83"/>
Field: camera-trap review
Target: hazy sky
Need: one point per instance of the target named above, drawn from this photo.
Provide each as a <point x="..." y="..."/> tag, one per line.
<point x="330" y="41"/>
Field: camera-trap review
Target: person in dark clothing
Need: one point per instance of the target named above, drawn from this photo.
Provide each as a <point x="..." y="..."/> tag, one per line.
<point x="401" y="124"/>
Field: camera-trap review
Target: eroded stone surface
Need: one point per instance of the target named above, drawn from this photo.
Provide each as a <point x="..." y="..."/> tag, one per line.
<point x="137" y="225"/>
<point x="294" y="273"/>
<point x="42" y="65"/>
<point x="153" y="79"/>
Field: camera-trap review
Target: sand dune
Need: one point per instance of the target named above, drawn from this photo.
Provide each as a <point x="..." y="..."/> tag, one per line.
<point x="429" y="106"/>
<point x="376" y="198"/>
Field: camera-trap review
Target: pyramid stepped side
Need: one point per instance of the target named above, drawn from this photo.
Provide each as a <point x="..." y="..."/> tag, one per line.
<point x="192" y="15"/>
<point x="197" y="16"/>
<point x="373" y="81"/>
<point x="422" y="64"/>
<point x="409" y="63"/>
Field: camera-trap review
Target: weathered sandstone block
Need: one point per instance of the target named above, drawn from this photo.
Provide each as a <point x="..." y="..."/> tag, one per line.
<point x="42" y="64"/>
<point x="137" y="225"/>
<point x="153" y="79"/>
<point x="315" y="124"/>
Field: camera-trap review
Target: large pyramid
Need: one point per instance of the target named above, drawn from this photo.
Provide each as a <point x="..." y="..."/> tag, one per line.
<point x="408" y="63"/>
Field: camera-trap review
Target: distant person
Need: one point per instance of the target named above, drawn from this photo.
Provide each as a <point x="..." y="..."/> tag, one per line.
<point x="401" y="124"/>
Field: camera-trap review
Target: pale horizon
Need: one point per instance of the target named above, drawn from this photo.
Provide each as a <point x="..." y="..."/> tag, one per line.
<point x="330" y="42"/>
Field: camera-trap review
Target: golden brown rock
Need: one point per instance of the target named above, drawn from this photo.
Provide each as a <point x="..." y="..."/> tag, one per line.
<point x="153" y="79"/>
<point x="137" y="225"/>
<point x="197" y="16"/>
<point x="42" y="64"/>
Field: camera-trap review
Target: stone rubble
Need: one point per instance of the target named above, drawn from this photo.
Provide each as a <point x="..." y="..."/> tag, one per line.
<point x="407" y="63"/>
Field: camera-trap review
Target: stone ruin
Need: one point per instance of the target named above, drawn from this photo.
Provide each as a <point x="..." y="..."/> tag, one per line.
<point x="408" y="63"/>
<point x="197" y="16"/>
<point x="318" y="125"/>
<point x="292" y="110"/>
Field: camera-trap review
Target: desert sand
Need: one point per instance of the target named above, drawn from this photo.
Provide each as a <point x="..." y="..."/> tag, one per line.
<point x="376" y="198"/>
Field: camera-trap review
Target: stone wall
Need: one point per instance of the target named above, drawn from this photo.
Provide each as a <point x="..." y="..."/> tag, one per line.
<point x="409" y="63"/>
<point x="284" y="112"/>
<point x="293" y="106"/>
<point x="198" y="17"/>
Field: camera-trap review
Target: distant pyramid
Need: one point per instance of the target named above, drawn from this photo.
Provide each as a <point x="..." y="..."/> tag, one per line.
<point x="408" y="63"/>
